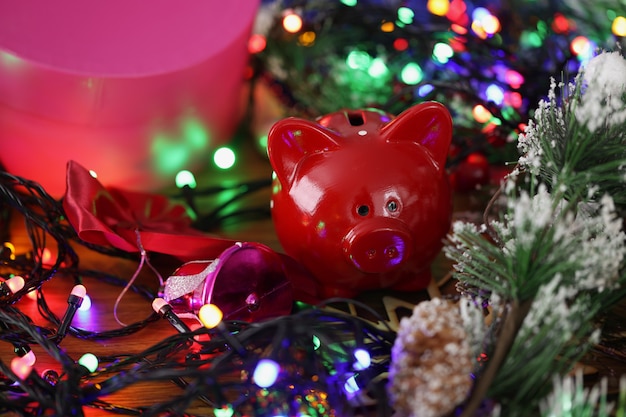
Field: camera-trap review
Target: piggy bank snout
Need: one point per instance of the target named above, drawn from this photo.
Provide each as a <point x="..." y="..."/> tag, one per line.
<point x="377" y="245"/>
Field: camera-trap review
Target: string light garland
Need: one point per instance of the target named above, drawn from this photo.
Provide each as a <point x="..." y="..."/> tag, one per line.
<point x="493" y="56"/>
<point x="222" y="211"/>
<point x="316" y="348"/>
<point x="319" y="360"/>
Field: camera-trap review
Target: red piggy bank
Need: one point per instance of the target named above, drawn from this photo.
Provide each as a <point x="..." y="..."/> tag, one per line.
<point x="360" y="198"/>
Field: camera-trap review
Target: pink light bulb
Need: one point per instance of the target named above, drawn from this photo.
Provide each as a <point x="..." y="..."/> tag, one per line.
<point x="15" y="283"/>
<point x="21" y="367"/>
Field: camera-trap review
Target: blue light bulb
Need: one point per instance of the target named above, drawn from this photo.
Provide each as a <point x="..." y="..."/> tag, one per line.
<point x="363" y="359"/>
<point x="266" y="373"/>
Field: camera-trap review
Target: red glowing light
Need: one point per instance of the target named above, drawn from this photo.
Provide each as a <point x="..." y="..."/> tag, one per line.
<point x="400" y="44"/>
<point x="514" y="78"/>
<point x="456" y="12"/>
<point x="461" y="30"/>
<point x="46" y="256"/>
<point x="560" y="24"/>
<point x="256" y="43"/>
<point x="513" y="99"/>
<point x="457" y="45"/>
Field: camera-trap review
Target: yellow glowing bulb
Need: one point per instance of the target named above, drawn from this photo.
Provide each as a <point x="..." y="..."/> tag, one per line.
<point x="481" y="114"/>
<point x="387" y="27"/>
<point x="438" y="7"/>
<point x="292" y="23"/>
<point x="210" y="315"/>
<point x="307" y="38"/>
<point x="11" y="249"/>
<point x="619" y="26"/>
<point x="490" y="24"/>
<point x="479" y="30"/>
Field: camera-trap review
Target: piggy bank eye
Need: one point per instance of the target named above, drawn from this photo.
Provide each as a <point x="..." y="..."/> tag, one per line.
<point x="392" y="206"/>
<point x="363" y="210"/>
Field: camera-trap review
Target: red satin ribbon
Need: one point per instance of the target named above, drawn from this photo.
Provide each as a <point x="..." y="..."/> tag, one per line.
<point x="111" y="216"/>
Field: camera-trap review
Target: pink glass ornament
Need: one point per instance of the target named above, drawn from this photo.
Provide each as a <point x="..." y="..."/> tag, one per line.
<point x="248" y="282"/>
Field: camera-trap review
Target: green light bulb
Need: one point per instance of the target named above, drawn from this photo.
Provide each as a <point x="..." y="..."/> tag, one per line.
<point x="358" y="60"/>
<point x="411" y="74"/>
<point x="226" y="411"/>
<point x="406" y="15"/>
<point x="224" y="157"/>
<point x="89" y="361"/>
<point x="185" y="177"/>
<point x="316" y="342"/>
<point x="442" y="52"/>
<point x="378" y="68"/>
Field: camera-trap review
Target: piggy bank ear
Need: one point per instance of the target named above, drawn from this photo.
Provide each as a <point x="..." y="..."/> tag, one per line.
<point x="291" y="139"/>
<point x="428" y="124"/>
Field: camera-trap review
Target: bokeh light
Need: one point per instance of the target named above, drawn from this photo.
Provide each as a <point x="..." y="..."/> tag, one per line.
<point x="226" y="411"/>
<point x="224" y="157"/>
<point x="513" y="78"/>
<point x="481" y="114"/>
<point x="411" y="74"/>
<point x="89" y="361"/>
<point x="292" y="23"/>
<point x="400" y="44"/>
<point x="387" y="27"/>
<point x="86" y="304"/>
<point x="210" y="315"/>
<point x="363" y="359"/>
<point x="378" y="68"/>
<point x="185" y="178"/>
<point x="358" y="60"/>
<point x="438" y="7"/>
<point x="256" y="43"/>
<point x="266" y="373"/>
<point x="442" y="52"/>
<point x="583" y="48"/>
<point x="406" y="15"/>
<point x="495" y="93"/>
<point x="560" y="24"/>
<point x="425" y="90"/>
<point x="351" y="386"/>
<point x="21" y="367"/>
<point x="619" y="26"/>
<point x="307" y="38"/>
<point x="15" y="283"/>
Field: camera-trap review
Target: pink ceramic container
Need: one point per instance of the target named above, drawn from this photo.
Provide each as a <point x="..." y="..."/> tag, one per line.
<point x="134" y="90"/>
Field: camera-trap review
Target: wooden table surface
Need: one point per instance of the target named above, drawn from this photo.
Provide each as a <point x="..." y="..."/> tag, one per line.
<point x="251" y="165"/>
